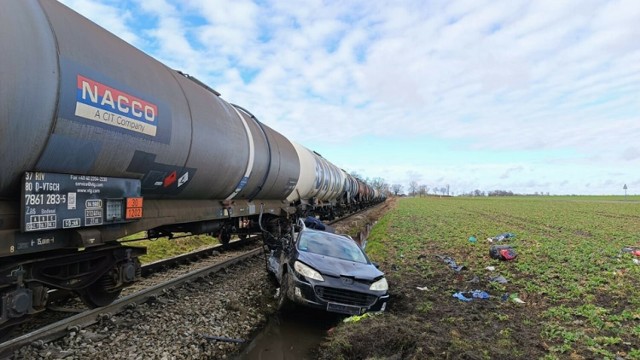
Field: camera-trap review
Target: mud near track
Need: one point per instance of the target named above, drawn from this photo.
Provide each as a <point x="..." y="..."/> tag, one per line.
<point x="294" y="335"/>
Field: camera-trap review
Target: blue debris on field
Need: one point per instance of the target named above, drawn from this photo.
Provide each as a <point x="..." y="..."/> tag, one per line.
<point x="452" y="263"/>
<point x="469" y="296"/>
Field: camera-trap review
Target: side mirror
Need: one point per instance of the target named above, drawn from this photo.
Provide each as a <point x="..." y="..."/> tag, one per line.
<point x="376" y="265"/>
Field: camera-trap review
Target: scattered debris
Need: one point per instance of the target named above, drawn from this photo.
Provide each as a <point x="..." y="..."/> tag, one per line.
<point x="356" y="318"/>
<point x="222" y="338"/>
<point x="491" y="268"/>
<point x="452" y="263"/>
<point x="473" y="239"/>
<point x="422" y="288"/>
<point x="636" y="261"/>
<point x="632" y="250"/>
<point x="513" y="297"/>
<point x="502" y="252"/>
<point x="501" y="237"/>
<point x="469" y="296"/>
<point x="499" y="279"/>
<point x="475" y="279"/>
<point x="479" y="294"/>
<point x="461" y="297"/>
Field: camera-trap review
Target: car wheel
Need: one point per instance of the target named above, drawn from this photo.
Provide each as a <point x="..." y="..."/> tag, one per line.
<point x="286" y="290"/>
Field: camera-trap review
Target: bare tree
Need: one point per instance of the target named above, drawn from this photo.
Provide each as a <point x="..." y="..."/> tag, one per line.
<point x="422" y="190"/>
<point x="413" y="188"/>
<point x="477" y="192"/>
<point x="396" y="189"/>
<point x="379" y="184"/>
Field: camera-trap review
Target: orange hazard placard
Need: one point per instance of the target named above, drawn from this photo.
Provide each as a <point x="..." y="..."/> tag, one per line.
<point x="134" y="202"/>
<point x="133" y="213"/>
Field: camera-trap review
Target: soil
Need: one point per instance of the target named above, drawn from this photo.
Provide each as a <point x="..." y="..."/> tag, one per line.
<point x="357" y="222"/>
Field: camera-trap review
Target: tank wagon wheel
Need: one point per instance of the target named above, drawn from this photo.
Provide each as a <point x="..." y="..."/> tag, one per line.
<point x="99" y="293"/>
<point x="224" y="236"/>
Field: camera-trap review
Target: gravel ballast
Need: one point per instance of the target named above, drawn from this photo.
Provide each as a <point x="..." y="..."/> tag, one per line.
<point x="230" y="304"/>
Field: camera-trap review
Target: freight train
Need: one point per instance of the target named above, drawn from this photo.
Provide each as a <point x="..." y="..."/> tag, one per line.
<point x="100" y="141"/>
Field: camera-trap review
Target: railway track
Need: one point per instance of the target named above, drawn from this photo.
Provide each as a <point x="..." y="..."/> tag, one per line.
<point x="142" y="293"/>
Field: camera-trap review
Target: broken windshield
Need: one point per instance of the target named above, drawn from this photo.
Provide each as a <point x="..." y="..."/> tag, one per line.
<point x="326" y="244"/>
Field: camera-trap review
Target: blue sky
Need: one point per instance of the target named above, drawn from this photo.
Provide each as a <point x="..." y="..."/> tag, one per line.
<point x="527" y="96"/>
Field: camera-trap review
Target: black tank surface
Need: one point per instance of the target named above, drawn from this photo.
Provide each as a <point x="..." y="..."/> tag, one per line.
<point x="76" y="99"/>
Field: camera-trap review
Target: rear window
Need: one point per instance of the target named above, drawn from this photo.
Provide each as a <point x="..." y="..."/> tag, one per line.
<point x="327" y="244"/>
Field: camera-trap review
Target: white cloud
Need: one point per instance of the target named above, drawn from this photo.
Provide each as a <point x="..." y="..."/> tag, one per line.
<point x="490" y="77"/>
<point x="112" y="17"/>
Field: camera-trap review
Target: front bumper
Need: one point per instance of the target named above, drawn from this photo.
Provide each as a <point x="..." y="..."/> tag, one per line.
<point x="334" y="295"/>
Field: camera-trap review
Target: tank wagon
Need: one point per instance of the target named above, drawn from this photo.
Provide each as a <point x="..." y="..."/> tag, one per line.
<point x="100" y="141"/>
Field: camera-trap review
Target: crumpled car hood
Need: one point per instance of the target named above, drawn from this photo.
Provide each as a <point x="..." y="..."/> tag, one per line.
<point x="337" y="267"/>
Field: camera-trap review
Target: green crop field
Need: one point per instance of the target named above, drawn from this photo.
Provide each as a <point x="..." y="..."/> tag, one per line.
<point x="580" y="292"/>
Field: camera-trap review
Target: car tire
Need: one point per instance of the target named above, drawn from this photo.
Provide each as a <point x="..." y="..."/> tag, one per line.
<point x="285" y="301"/>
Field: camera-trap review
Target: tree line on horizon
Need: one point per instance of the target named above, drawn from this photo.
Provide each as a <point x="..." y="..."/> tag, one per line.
<point x="416" y="189"/>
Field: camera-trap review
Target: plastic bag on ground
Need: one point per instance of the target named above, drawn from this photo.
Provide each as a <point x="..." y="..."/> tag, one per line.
<point x="502" y="252"/>
<point x="502" y="236"/>
<point x="356" y="318"/>
<point x="632" y="250"/>
<point x="469" y="296"/>
<point x="460" y="296"/>
<point x="499" y="279"/>
<point x="452" y="263"/>
<point x="513" y="297"/>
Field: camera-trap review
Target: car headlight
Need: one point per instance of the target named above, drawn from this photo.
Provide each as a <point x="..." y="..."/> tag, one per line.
<point x="380" y="285"/>
<point x="307" y="272"/>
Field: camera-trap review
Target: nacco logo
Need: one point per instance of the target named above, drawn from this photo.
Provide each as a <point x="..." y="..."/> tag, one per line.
<point x="110" y="99"/>
<point x="112" y="107"/>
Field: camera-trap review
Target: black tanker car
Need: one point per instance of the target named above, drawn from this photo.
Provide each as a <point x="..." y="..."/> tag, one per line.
<point x="99" y="140"/>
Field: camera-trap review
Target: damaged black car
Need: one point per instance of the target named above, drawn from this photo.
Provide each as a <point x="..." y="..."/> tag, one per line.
<point x="330" y="272"/>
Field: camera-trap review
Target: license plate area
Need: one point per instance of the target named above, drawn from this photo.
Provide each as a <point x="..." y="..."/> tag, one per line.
<point x="344" y="309"/>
